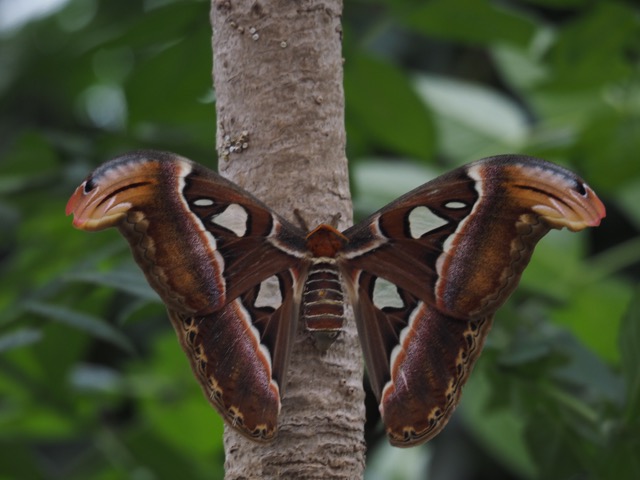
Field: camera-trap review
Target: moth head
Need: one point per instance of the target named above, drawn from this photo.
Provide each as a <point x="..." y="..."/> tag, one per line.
<point x="108" y="194"/>
<point x="559" y="197"/>
<point x="579" y="208"/>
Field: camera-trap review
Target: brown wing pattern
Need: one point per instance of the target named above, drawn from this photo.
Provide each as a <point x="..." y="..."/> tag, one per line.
<point x="427" y="273"/>
<point x="212" y="253"/>
<point x="242" y="378"/>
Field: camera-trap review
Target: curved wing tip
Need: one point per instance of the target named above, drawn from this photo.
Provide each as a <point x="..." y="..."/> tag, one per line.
<point x="600" y="209"/>
<point x="72" y="202"/>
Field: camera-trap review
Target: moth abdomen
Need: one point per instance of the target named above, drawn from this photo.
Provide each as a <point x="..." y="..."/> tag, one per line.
<point x="322" y="306"/>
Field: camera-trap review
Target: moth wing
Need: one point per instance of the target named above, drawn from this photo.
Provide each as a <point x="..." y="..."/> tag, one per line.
<point x="240" y="353"/>
<point x="427" y="272"/>
<point x="229" y="270"/>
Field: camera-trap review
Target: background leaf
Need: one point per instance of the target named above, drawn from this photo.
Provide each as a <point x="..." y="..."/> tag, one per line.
<point x="93" y="383"/>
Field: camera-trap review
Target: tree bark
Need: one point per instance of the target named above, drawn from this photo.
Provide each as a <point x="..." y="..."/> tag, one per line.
<point x="280" y="134"/>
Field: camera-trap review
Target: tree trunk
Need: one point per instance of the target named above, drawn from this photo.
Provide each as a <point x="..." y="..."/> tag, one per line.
<point x="280" y="134"/>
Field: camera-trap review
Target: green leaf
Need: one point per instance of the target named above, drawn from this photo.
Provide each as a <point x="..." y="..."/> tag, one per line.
<point x="499" y="431"/>
<point x="82" y="321"/>
<point x="125" y="280"/>
<point x="557" y="451"/>
<point x="592" y="49"/>
<point x="389" y="463"/>
<point x="17" y="460"/>
<point x="381" y="100"/>
<point x="519" y="65"/>
<point x="629" y="201"/>
<point x="31" y="155"/>
<point x="96" y="378"/>
<point x="19" y="338"/>
<point x="593" y="314"/>
<point x="559" y="4"/>
<point x="165" y="384"/>
<point x="474" y="121"/>
<point x="629" y="341"/>
<point x="471" y="21"/>
<point x="378" y="182"/>
<point x="606" y="145"/>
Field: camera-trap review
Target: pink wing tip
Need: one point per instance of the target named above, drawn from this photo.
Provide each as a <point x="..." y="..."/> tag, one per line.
<point x="73" y="201"/>
<point x="598" y="206"/>
<point x="73" y="206"/>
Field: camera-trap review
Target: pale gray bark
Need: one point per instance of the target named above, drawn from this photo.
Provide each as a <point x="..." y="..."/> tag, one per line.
<point x="280" y="134"/>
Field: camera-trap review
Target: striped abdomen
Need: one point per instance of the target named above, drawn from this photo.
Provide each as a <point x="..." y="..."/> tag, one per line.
<point x="323" y="303"/>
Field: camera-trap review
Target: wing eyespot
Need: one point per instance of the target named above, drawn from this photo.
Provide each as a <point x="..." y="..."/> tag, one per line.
<point x="88" y="186"/>
<point x="470" y="340"/>
<point x="202" y="366"/>
<point x="261" y="431"/>
<point x="234" y="415"/>
<point x="581" y="188"/>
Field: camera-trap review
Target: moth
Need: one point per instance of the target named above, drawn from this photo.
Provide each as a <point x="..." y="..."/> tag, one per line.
<point x="425" y="276"/>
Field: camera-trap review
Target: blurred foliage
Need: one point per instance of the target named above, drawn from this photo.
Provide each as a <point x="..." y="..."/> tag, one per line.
<point x="92" y="381"/>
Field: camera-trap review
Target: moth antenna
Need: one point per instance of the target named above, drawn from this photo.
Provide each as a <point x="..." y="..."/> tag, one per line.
<point x="301" y="220"/>
<point x="335" y="219"/>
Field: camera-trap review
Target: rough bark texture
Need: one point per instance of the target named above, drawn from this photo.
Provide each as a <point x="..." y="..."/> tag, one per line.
<point x="280" y="134"/>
